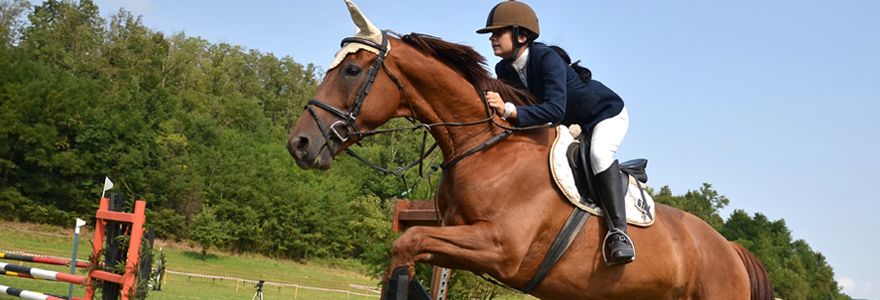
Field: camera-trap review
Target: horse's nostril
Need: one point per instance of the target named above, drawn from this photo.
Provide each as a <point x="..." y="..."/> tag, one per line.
<point x="302" y="144"/>
<point x="297" y="146"/>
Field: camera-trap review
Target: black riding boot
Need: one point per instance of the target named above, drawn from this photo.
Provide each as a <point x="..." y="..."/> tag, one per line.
<point x="611" y="194"/>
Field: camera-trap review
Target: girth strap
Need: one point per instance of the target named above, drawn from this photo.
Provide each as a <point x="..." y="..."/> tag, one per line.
<point x="564" y="239"/>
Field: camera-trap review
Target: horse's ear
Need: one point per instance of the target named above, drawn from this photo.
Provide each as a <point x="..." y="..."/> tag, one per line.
<point x="365" y="29"/>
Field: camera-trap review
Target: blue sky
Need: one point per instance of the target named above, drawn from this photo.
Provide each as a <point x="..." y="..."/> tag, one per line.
<point x="774" y="103"/>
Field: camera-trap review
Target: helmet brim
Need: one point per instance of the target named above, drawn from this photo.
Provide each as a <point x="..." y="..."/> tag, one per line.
<point x="488" y="29"/>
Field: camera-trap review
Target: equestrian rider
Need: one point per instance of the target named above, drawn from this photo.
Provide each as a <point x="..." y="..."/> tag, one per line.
<point x="567" y="99"/>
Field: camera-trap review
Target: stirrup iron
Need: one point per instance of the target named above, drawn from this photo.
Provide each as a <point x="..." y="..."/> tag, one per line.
<point x="605" y="244"/>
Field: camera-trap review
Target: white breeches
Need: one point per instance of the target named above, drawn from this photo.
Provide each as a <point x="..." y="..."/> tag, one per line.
<point x="607" y="136"/>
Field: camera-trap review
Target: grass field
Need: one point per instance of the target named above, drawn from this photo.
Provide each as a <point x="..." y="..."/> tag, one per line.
<point x="48" y="240"/>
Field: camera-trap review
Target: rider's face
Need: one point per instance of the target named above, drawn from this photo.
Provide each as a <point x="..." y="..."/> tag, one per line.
<point x="502" y="45"/>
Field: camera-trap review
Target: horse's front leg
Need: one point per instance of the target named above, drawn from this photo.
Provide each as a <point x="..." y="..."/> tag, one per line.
<point x="480" y="248"/>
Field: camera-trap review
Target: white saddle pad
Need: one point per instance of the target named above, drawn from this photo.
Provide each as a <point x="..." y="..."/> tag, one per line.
<point x="564" y="178"/>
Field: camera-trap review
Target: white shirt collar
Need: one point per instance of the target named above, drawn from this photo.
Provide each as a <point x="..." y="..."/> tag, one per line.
<point x="520" y="63"/>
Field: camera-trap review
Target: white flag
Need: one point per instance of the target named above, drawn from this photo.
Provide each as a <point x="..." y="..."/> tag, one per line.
<point x="107" y="185"/>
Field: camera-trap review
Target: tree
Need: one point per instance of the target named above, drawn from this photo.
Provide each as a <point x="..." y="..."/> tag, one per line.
<point x="368" y="223"/>
<point x="11" y="21"/>
<point x="66" y="34"/>
<point x="207" y="230"/>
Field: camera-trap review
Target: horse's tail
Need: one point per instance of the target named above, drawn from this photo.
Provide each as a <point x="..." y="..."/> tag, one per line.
<point x="759" y="280"/>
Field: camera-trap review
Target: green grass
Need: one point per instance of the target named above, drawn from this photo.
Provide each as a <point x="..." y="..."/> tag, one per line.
<point x="55" y="242"/>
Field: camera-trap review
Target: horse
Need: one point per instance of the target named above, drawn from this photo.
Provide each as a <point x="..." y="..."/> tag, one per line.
<point x="500" y="208"/>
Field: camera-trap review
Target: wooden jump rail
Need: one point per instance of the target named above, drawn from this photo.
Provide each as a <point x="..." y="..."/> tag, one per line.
<point x="136" y="219"/>
<point x="408" y="214"/>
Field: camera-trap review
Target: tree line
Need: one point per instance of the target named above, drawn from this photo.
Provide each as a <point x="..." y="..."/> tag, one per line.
<point x="197" y="129"/>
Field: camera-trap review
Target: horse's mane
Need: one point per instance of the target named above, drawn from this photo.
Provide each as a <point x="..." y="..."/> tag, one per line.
<point x="469" y="63"/>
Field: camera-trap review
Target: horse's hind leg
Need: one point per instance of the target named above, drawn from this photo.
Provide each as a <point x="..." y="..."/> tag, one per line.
<point x="479" y="247"/>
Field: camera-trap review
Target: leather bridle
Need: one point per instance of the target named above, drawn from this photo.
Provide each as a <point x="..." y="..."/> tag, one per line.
<point x="348" y="118"/>
<point x="347" y="127"/>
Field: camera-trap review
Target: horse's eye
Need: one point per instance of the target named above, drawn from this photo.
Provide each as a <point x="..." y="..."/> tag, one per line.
<point x="353" y="71"/>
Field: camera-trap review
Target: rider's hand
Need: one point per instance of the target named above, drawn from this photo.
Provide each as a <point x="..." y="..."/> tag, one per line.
<point x="497" y="103"/>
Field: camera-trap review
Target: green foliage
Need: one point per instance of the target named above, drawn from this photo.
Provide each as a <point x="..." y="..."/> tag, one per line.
<point x="377" y="257"/>
<point x="367" y="224"/>
<point x="11" y="21"/>
<point x="704" y="203"/>
<point x="207" y="230"/>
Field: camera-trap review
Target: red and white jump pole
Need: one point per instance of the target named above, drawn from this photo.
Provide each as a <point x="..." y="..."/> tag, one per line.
<point x="42" y="260"/>
<point x="30" y="295"/>
<point x="16" y="270"/>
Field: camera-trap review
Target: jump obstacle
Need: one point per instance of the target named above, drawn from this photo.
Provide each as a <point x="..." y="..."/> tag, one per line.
<point x="106" y="217"/>
<point x="408" y="214"/>
<point x="109" y="225"/>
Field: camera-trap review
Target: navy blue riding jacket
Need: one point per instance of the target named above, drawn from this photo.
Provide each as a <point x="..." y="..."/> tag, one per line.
<point x="566" y="98"/>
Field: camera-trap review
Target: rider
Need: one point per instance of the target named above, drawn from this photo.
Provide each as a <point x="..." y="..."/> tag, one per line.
<point x="566" y="99"/>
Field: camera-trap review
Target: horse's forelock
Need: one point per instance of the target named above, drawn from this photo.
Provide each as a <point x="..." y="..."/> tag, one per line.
<point x="467" y="62"/>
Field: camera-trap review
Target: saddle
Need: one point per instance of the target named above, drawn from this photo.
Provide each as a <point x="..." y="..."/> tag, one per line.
<point x="571" y="177"/>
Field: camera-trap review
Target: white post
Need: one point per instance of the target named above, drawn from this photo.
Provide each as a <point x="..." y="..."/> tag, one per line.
<point x="79" y="223"/>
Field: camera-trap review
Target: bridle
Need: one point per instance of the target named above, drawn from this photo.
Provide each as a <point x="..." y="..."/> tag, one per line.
<point x="346" y="126"/>
<point x="349" y="117"/>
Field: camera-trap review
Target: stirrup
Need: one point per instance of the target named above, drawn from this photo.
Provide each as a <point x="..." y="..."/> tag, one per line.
<point x="605" y="243"/>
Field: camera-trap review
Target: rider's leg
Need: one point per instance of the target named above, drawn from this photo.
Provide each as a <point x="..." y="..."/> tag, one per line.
<point x="606" y="138"/>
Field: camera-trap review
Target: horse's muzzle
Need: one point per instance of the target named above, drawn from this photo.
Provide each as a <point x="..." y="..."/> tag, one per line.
<point x="309" y="153"/>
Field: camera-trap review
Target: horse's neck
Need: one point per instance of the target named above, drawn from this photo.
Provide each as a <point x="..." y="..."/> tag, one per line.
<point x="454" y="101"/>
<point x="444" y="96"/>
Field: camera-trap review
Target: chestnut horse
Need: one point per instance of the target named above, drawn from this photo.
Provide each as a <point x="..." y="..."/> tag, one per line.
<point x="499" y="205"/>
